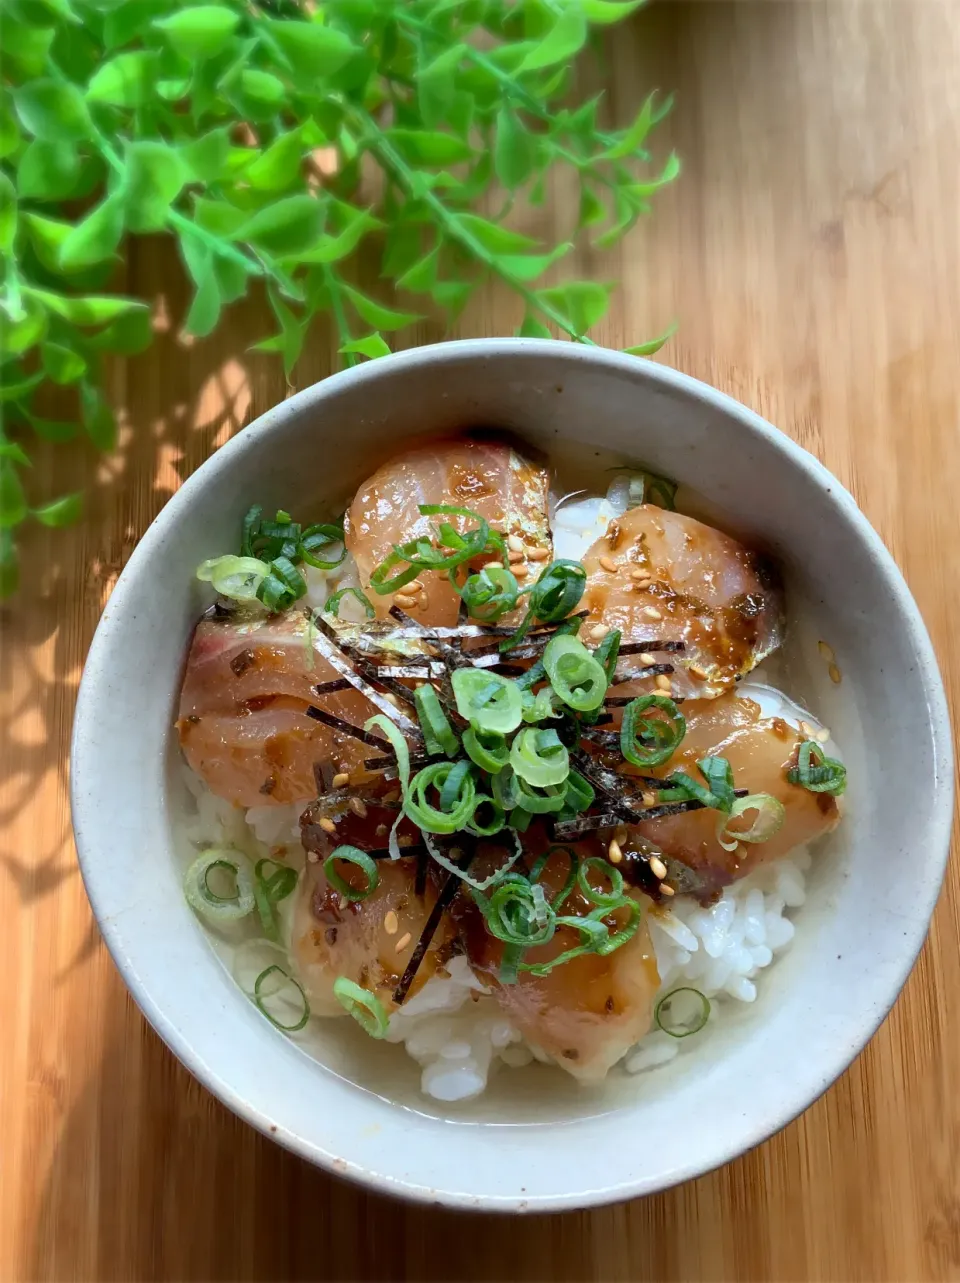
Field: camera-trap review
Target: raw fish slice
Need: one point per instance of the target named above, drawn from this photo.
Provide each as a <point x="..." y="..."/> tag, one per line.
<point x="487" y="477"/>
<point x="703" y="589"/>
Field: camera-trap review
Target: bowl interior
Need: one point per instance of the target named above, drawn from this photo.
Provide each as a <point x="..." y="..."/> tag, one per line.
<point x="873" y="884"/>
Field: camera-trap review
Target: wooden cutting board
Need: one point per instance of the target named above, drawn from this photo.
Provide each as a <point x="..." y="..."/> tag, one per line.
<point x="811" y="253"/>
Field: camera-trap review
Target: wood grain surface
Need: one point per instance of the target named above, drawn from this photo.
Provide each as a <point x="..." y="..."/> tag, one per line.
<point x="811" y="253"/>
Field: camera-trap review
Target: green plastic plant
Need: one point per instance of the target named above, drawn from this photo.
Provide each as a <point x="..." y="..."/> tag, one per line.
<point x="270" y="141"/>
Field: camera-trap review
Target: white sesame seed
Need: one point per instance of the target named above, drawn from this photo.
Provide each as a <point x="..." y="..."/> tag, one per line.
<point x="648" y="799"/>
<point x="382" y="830"/>
<point x="340" y="779"/>
<point x="599" y="631"/>
<point x="392" y="699"/>
<point x="538" y="554"/>
<point x="666" y="890"/>
<point x="639" y="574"/>
<point x="621" y="833"/>
<point x="520" y="571"/>
<point x="414" y="586"/>
<point x="646" y="658"/>
<point x="696" y="671"/>
<point x="313" y="857"/>
<point x="513" y="557"/>
<point x="614" y="854"/>
<point x="651" y="612"/>
<point x="424" y="601"/>
<point x="823" y="735"/>
<point x="327" y="825"/>
<point x="826" y="652"/>
<point x="609" y="565"/>
<point x="806" y="729"/>
<point x="403" y="941"/>
<point x="493" y="565"/>
<point x="358" y="807"/>
<point x="515" y="543"/>
<point x="404" y="601"/>
<point x="391" y="923"/>
<point x="834" y="672"/>
<point x="662" y="682"/>
<point x="657" y="867"/>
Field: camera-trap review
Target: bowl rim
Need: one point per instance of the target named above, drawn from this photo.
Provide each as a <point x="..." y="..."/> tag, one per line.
<point x="83" y="752"/>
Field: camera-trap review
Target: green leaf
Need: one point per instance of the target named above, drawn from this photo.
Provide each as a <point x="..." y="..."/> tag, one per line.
<point x="61" y="512"/>
<point x="62" y="364"/>
<point x="8" y="214"/>
<point x="127" y="80"/>
<point x="515" y="150"/>
<point x="17" y="337"/>
<point x="18" y="387"/>
<point x="52" y="111"/>
<point x="375" y="314"/>
<point x="206" y="157"/>
<point x="232" y="278"/>
<point x="9" y="131"/>
<point x="289" y="342"/>
<point x="429" y="147"/>
<point x="592" y="209"/>
<point x="199" y="31"/>
<point x="452" y="296"/>
<point x="310" y="49"/>
<point x="641" y="191"/>
<point x="583" y="303"/>
<point x="96" y="238"/>
<point x="527" y="267"/>
<point x="9" y="565"/>
<point x="437" y="85"/>
<point x="330" y="249"/>
<point x="635" y="136"/>
<point x="493" y="237"/>
<point x="90" y="310"/>
<point x="51" y="429"/>
<point x="604" y="12"/>
<point x="128" y="334"/>
<point x="11" y="450"/>
<point x="98" y="418"/>
<point x="205" y="308"/>
<point x="27" y="45"/>
<point x="13" y="502"/>
<point x="48" y="171"/>
<point x="279" y="166"/>
<point x="263" y="86"/>
<point x="155" y="175"/>
<point x="373" y="345"/>
<point x="422" y="276"/>
<point x="561" y="44"/>
<point x="653" y="345"/>
<point x="218" y="216"/>
<point x="286" y="227"/>
<point x="129" y="20"/>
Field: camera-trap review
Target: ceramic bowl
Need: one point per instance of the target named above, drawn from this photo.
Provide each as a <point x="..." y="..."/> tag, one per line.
<point x="537" y="1142"/>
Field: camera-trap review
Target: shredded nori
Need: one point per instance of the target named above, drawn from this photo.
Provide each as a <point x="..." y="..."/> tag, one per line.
<point x="444" y="900"/>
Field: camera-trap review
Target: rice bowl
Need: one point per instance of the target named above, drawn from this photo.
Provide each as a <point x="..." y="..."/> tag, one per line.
<point x="831" y="1003"/>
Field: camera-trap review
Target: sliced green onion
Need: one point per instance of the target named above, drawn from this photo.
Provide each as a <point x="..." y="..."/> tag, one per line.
<point x="537" y="708"/>
<point x="605" y="899"/>
<point x="365" y="1007"/>
<point x="236" y="577"/>
<point x="445" y="818"/>
<point x="647" y="741"/>
<point x="513" y="913"/>
<point x="817" y="772"/>
<point x="283" y="585"/>
<point x="332" y="605"/>
<point x="438" y="734"/>
<point x="351" y="855"/>
<point x="579" y="794"/>
<point x="488" y="594"/>
<point x="496" y="822"/>
<point x="536" y="672"/>
<point x="574" y="674"/>
<point x="489" y="701"/>
<point x="478" y="884"/>
<point x="315" y="538"/>
<point x="538" y="757"/>
<point x="607" y="653"/>
<point x="239" y="899"/>
<point x="249" y="529"/>
<point x="382" y="582"/>
<point x="718" y="794"/>
<point x="647" y="487"/>
<point x="771" y="814"/>
<point x="262" y="993"/>
<point x="540" y="801"/>
<point x="592" y="935"/>
<point x="540" y="863"/>
<point x="383" y="723"/>
<point x="689" y="1018"/>
<point x="627" y="932"/>
<point x="557" y="590"/>
<point x="488" y="749"/>
<point x="269" y="891"/>
<point x="506" y="788"/>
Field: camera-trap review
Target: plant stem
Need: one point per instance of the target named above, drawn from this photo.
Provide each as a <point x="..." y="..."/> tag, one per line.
<point x="406" y="179"/>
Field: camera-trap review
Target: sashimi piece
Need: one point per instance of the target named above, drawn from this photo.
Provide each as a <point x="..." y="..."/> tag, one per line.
<point x="487" y="477"/>
<point x="660" y="575"/>
<point x="243" y="721"/>
<point x="369" y="941"/>
<point x="760" y="750"/>
<point x="586" y="1013"/>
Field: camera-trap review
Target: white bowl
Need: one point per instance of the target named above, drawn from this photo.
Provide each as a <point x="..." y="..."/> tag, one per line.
<point x="538" y="1142"/>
